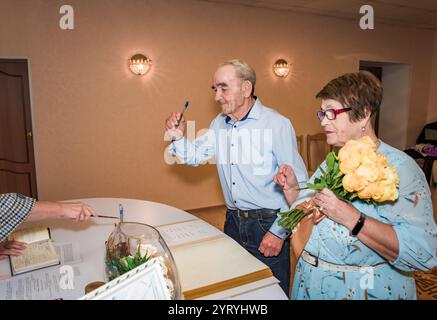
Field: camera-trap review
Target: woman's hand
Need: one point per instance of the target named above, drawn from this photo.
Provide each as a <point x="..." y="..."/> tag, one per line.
<point x="285" y="178"/>
<point x="375" y="234"/>
<point x="11" y="248"/>
<point x="336" y="209"/>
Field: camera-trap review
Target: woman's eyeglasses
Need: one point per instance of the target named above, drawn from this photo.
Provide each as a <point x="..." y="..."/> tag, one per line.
<point x="331" y="114"/>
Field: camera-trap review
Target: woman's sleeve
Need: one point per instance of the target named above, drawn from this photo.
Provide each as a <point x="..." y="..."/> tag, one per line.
<point x="14" y="209"/>
<point x="412" y="219"/>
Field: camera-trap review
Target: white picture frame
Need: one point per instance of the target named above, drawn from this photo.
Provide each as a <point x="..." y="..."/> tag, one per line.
<point x="146" y="282"/>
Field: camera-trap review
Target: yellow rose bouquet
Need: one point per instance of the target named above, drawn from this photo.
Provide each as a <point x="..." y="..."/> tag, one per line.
<point x="356" y="171"/>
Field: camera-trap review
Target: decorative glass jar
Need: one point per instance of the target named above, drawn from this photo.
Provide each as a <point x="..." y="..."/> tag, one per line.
<point x="132" y="244"/>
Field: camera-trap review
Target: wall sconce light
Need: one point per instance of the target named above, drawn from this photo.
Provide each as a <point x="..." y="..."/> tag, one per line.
<point x="281" y="68"/>
<point x="139" y="64"/>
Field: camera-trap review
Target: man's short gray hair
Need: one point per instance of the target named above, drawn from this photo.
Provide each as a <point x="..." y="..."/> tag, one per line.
<point x="243" y="70"/>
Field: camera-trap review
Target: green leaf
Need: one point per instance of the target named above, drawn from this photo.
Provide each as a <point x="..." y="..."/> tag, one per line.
<point x="338" y="183"/>
<point x="329" y="181"/>
<point x="316" y="186"/>
<point x="336" y="167"/>
<point x="330" y="160"/>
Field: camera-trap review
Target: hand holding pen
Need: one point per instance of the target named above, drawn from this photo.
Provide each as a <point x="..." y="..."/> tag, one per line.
<point x="120" y="214"/>
<point x="175" y="125"/>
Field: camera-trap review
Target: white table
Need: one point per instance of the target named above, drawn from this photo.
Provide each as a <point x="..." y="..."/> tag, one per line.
<point x="92" y="234"/>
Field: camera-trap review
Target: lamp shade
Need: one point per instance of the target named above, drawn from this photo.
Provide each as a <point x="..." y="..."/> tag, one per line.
<point x="139" y="64"/>
<point x="281" y="68"/>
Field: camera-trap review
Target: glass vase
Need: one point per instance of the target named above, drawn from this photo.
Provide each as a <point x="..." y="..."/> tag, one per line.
<point x="132" y="244"/>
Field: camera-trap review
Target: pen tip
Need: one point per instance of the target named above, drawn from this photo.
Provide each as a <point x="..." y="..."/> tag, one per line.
<point x="186" y="104"/>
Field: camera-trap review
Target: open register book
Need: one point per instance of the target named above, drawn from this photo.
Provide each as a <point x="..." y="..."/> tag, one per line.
<point x="217" y="265"/>
<point x="209" y="262"/>
<point x="40" y="252"/>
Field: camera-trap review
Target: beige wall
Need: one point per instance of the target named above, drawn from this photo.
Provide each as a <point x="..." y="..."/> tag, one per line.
<point x="99" y="129"/>
<point x="432" y="106"/>
<point x="393" y="118"/>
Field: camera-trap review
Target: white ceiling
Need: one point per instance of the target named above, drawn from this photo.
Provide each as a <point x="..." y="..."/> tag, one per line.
<point x="410" y="13"/>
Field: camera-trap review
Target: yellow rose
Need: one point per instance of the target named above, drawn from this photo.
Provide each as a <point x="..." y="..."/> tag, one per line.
<point x="366" y="145"/>
<point x="373" y="190"/>
<point x="381" y="160"/>
<point x="356" y="152"/>
<point x="368" y="171"/>
<point x="389" y="175"/>
<point x="348" y="182"/>
<point x="382" y="175"/>
<point x="349" y="150"/>
<point x="393" y="175"/>
<point x="353" y="182"/>
<point x="390" y="193"/>
<point x="349" y="158"/>
<point x="349" y="165"/>
<point x="368" y="158"/>
<point x="389" y="184"/>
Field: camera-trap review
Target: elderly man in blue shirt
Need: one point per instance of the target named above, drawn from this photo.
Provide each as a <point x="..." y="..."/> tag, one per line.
<point x="249" y="142"/>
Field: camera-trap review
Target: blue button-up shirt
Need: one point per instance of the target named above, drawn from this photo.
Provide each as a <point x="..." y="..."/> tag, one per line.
<point x="248" y="154"/>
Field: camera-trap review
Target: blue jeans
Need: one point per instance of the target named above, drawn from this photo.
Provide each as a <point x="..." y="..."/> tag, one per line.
<point x="249" y="232"/>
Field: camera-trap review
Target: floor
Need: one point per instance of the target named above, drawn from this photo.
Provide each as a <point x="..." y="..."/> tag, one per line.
<point x="426" y="282"/>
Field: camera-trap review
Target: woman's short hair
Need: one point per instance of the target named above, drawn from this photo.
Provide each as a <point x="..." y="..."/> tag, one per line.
<point x="361" y="91"/>
<point x="243" y="70"/>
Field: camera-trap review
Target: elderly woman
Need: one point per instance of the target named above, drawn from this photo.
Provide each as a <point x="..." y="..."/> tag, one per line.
<point x="363" y="251"/>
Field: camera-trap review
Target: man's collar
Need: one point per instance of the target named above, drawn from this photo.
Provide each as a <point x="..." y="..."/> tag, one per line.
<point x="253" y="112"/>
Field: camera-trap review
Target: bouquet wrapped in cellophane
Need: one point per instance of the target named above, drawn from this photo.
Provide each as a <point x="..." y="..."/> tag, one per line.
<point x="355" y="171"/>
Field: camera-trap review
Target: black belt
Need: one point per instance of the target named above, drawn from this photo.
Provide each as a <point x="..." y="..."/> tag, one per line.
<point x="255" y="213"/>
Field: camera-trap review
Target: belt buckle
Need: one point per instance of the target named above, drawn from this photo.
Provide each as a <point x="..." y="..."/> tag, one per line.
<point x="242" y="214"/>
<point x="316" y="264"/>
<point x="268" y="213"/>
<point x="311" y="257"/>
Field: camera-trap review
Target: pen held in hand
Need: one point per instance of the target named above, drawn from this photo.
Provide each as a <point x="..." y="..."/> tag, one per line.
<point x="182" y="113"/>
<point x="103" y="216"/>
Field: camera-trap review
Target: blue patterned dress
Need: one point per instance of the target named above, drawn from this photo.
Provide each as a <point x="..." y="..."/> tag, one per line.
<point x="412" y="219"/>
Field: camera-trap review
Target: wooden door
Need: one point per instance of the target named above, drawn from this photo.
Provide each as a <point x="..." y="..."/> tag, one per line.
<point x="17" y="163"/>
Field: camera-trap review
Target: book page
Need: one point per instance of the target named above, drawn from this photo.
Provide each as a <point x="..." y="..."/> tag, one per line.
<point x="44" y="284"/>
<point x="68" y="252"/>
<point x="31" y="235"/>
<point x="188" y="232"/>
<point x="209" y="267"/>
<point x="37" y="255"/>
